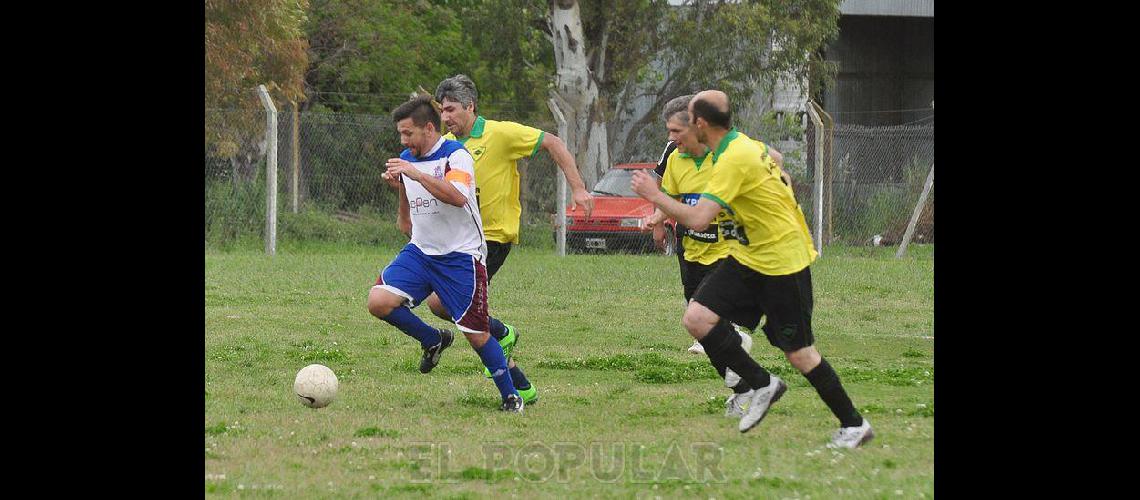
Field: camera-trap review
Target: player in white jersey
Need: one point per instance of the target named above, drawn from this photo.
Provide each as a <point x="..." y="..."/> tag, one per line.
<point x="447" y="252"/>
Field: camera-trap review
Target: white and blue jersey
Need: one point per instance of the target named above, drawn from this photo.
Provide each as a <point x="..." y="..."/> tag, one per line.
<point x="448" y="250"/>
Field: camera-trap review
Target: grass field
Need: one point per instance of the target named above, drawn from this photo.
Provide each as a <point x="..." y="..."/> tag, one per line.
<point x="624" y="411"/>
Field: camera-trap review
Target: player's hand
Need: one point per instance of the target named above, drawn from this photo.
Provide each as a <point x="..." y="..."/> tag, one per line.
<point x="585" y="200"/>
<point x="393" y="180"/>
<point x="397" y="166"/>
<point x="658" y="234"/>
<point x="644" y="185"/>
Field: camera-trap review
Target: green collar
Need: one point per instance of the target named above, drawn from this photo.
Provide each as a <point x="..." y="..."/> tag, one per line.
<point x="732" y="134"/>
<point x="696" y="159"/>
<point x="476" y="129"/>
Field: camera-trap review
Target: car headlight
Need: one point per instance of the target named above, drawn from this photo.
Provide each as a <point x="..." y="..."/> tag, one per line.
<point x="631" y="222"/>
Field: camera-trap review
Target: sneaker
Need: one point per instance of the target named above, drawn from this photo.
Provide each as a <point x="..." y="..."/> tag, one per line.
<point x="731" y="378"/>
<point x="431" y="354"/>
<point x="508" y="344"/>
<point x="852" y="437"/>
<point x="529" y="395"/>
<point x="513" y="404"/>
<point x="697" y="348"/>
<point x="761" y="400"/>
<point x="737" y="404"/>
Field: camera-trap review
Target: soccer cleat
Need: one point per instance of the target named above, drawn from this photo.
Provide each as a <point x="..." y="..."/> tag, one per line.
<point x="697" y="348"/>
<point x="508" y="344"/>
<point x="761" y="400"/>
<point x="852" y="437"/>
<point x="513" y="404"/>
<point x="529" y="395"/>
<point x="731" y="378"/>
<point x="737" y="404"/>
<point x="431" y="354"/>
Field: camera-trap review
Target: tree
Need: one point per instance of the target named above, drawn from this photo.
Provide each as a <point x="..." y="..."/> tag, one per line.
<point x="611" y="58"/>
<point x="249" y="43"/>
<point x="367" y="56"/>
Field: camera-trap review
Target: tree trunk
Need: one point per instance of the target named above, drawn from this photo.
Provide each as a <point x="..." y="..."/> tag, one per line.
<point x="576" y="92"/>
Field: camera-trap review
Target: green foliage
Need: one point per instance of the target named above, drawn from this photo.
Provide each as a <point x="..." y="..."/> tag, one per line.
<point x="250" y="43"/>
<point x="368" y="55"/>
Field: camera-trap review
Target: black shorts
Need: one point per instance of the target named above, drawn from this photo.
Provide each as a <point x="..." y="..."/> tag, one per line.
<point x="741" y="295"/>
<point x="496" y="255"/>
<point x="692" y="274"/>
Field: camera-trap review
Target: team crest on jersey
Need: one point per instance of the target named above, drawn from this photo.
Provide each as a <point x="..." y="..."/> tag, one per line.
<point x="478" y="152"/>
<point x="438" y="172"/>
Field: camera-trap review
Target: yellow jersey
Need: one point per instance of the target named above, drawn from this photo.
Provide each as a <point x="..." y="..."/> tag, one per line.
<point x="767" y="231"/>
<point x="685" y="178"/>
<point x="496" y="147"/>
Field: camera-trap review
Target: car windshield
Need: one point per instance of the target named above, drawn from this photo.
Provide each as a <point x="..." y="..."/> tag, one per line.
<point x="616" y="183"/>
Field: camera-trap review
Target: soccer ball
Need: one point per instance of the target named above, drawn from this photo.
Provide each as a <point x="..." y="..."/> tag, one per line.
<point x="315" y="386"/>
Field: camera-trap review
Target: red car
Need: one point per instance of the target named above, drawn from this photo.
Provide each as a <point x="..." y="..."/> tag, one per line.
<point x="618" y="220"/>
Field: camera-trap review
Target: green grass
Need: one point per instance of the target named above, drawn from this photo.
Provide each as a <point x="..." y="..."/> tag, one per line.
<point x="624" y="411"/>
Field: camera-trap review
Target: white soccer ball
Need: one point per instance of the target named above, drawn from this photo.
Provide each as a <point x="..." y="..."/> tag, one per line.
<point x="316" y="386"/>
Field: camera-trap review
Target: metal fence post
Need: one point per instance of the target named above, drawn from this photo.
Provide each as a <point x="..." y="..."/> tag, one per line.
<point x="560" y="224"/>
<point x="270" y="171"/>
<point x="818" y="201"/>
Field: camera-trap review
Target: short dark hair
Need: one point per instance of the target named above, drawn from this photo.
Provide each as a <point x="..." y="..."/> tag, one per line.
<point x="675" y="106"/>
<point x="704" y="109"/>
<point x="420" y="109"/>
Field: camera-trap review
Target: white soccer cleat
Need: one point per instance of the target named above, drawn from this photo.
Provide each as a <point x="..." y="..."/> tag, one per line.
<point x="852" y="437"/>
<point x="760" y="402"/>
<point x="737" y="404"/>
<point x="697" y="348"/>
<point x="730" y="378"/>
<point x="745" y="340"/>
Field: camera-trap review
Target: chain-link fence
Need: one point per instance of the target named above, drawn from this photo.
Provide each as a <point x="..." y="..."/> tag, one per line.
<point x="329" y="185"/>
<point x="328" y="174"/>
<point x="872" y="179"/>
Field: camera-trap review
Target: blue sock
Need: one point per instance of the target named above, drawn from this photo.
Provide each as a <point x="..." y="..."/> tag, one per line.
<point x="498" y="329"/>
<point x="404" y="319"/>
<point x="492" y="355"/>
<point x="519" y="378"/>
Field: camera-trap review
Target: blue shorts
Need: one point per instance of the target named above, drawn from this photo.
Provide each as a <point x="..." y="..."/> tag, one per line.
<point x="459" y="280"/>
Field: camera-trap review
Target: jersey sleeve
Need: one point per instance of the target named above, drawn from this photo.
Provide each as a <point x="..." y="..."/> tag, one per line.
<point x="461" y="172"/>
<point x="669" y="179"/>
<point x="520" y="140"/>
<point x="724" y="185"/>
<point x="665" y="158"/>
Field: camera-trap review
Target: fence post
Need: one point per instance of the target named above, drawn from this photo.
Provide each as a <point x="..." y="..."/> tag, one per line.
<point x="296" y="155"/>
<point x="560" y="224"/>
<point x="818" y="201"/>
<point x="270" y="171"/>
<point x="917" y="212"/>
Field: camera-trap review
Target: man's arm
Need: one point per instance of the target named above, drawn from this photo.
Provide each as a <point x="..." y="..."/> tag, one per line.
<point x="440" y="188"/>
<point x="696" y="217"/>
<point x="565" y="161"/>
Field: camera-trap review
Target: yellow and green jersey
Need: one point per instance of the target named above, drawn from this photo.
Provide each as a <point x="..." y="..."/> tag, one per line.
<point x="766" y="231"/>
<point x="685" y="178"/>
<point x="497" y="147"/>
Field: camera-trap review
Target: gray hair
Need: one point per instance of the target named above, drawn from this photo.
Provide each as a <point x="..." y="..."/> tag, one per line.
<point x="677" y="105"/>
<point x="458" y="88"/>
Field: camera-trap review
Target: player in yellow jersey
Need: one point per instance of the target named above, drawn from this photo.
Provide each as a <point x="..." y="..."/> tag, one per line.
<point x="767" y="271"/>
<point x="497" y="146"/>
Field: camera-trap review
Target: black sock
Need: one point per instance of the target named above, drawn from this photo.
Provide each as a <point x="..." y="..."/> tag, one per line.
<point x="519" y="379"/>
<point x="498" y="329"/>
<point x="830" y="389"/>
<point x="742" y="387"/>
<point x="723" y="343"/>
